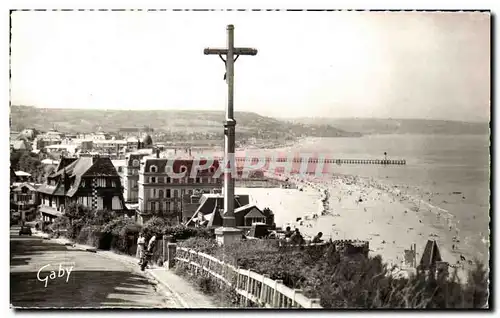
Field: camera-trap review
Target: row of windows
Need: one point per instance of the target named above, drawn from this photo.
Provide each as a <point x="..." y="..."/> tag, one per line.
<point x="168" y="193"/>
<point x="162" y="206"/>
<point x="24" y="197"/>
<point x="154" y="169"/>
<point x="164" y="194"/>
<point x="180" y="180"/>
<point x="100" y="183"/>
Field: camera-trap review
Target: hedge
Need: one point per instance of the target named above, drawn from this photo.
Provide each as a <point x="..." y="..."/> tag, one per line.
<point x="353" y="282"/>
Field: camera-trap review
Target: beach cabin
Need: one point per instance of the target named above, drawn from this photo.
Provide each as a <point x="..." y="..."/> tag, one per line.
<point x="209" y="207"/>
<point x="248" y="215"/>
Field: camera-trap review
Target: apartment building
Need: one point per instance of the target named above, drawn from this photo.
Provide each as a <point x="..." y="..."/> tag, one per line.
<point x="160" y="194"/>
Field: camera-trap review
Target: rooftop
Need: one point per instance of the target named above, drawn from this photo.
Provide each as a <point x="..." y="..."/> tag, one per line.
<point x="22" y="174"/>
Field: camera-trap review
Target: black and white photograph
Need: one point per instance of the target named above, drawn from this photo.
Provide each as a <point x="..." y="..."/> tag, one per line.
<point x="274" y="159"/>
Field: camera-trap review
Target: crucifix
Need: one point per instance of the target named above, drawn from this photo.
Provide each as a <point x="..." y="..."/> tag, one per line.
<point x="229" y="124"/>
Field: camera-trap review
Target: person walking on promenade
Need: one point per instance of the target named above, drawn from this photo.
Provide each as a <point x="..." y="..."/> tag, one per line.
<point x="141" y="242"/>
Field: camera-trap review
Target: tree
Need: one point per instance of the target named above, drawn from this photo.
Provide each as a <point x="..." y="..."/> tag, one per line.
<point x="75" y="211"/>
<point x="28" y="162"/>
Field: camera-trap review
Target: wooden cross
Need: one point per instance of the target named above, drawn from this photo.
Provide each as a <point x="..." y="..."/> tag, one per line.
<point x="230" y="124"/>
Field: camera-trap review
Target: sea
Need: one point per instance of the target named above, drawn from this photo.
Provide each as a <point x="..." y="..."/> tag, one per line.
<point x="450" y="173"/>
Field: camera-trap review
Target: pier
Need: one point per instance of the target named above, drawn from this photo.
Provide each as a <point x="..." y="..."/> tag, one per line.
<point x="326" y="161"/>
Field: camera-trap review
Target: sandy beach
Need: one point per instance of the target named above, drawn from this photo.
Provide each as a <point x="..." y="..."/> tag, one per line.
<point x="363" y="209"/>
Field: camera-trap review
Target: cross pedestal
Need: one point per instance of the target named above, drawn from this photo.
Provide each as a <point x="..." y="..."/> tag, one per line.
<point x="227" y="235"/>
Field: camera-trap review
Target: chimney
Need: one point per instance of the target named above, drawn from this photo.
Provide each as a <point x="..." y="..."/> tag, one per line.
<point x="157" y="152"/>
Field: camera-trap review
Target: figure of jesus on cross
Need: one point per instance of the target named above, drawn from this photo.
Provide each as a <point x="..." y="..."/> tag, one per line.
<point x="230" y="124"/>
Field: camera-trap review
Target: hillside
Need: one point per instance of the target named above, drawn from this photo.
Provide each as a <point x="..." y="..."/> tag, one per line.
<point x="399" y="126"/>
<point x="176" y="122"/>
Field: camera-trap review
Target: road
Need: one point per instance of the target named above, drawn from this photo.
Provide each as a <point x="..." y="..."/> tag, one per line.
<point x="94" y="281"/>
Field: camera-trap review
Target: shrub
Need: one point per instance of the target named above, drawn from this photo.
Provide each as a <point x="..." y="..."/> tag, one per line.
<point x="116" y="234"/>
<point x="208" y="246"/>
<point x="90" y="235"/>
<point x="350" y="282"/>
<point x="159" y="227"/>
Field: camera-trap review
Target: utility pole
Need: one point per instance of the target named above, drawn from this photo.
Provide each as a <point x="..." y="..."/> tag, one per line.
<point x="230" y="123"/>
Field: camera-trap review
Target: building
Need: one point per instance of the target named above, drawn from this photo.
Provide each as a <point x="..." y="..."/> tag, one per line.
<point x="91" y="181"/>
<point x="130" y="177"/>
<point x="211" y="208"/>
<point x="246" y="214"/>
<point x="24" y="199"/>
<point x="134" y="131"/>
<point x="52" y="137"/>
<point x="108" y="146"/>
<point x="161" y="194"/>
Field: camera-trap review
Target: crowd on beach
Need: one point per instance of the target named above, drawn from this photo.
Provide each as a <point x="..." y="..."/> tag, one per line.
<point x="384" y="201"/>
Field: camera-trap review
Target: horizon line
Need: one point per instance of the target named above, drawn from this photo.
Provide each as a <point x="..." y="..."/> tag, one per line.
<point x="484" y="121"/>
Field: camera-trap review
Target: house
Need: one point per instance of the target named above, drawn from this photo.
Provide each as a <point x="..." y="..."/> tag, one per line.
<point x="162" y="194"/>
<point x="25" y="194"/>
<point x="24" y="200"/>
<point x="248" y="214"/>
<point x="91" y="181"/>
<point x="211" y="207"/>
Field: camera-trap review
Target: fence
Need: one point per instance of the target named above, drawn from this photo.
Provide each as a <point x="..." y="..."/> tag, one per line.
<point x="251" y="286"/>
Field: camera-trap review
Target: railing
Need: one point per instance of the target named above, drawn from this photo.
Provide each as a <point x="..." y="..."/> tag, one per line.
<point x="251" y="286"/>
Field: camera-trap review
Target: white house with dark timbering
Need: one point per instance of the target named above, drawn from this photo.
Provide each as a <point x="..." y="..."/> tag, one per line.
<point x="91" y="181"/>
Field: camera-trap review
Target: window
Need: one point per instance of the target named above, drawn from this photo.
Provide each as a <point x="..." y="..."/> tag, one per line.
<point x="153" y="193"/>
<point x="176" y="194"/>
<point x="198" y="180"/>
<point x="153" y="169"/>
<point x="153" y="179"/>
<point x="167" y="180"/>
<point x="160" y="193"/>
<point x="168" y="193"/>
<point x="101" y="182"/>
<point x="153" y="206"/>
<point x="135" y="163"/>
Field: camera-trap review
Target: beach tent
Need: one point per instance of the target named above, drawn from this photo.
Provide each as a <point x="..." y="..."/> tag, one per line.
<point x="430" y="256"/>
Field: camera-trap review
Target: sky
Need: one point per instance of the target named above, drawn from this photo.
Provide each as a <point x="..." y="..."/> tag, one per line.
<point x="309" y="64"/>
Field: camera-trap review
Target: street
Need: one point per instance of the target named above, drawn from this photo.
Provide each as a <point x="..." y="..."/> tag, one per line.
<point x="72" y="278"/>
